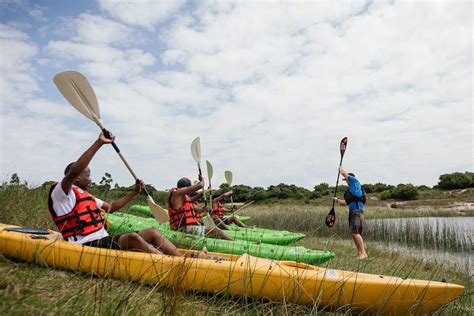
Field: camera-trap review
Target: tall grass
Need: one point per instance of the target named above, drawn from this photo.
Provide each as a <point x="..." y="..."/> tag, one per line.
<point x="27" y="288"/>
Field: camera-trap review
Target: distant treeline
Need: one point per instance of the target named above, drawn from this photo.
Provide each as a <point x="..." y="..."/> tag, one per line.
<point x="284" y="191"/>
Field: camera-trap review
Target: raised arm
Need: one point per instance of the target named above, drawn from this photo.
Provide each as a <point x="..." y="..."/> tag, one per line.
<point x="343" y="172"/>
<point x="84" y="161"/>
<point x="220" y="197"/>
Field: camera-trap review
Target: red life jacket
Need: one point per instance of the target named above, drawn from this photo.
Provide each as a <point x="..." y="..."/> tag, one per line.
<point x="218" y="211"/>
<point x="83" y="220"/>
<point x="185" y="216"/>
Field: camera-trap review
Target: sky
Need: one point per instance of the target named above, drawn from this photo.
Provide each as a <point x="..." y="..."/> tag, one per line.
<point x="270" y="87"/>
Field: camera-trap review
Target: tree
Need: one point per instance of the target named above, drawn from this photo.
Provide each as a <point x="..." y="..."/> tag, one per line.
<point x="106" y="180"/>
<point x="15" y="179"/>
<point x="456" y="180"/>
<point x="405" y="192"/>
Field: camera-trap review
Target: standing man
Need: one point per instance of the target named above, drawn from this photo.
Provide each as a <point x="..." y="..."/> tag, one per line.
<point x="354" y="198"/>
<point x="77" y="215"/>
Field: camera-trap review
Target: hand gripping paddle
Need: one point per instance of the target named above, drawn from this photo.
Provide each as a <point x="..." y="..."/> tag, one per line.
<point x="79" y="93"/>
<point x="196" y="153"/>
<point x="331" y="217"/>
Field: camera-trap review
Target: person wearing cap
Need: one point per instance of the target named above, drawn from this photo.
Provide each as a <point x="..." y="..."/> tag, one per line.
<point x="185" y="215"/>
<point x="354" y="198"/>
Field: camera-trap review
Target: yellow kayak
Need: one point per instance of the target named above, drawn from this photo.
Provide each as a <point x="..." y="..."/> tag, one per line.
<point x="237" y="275"/>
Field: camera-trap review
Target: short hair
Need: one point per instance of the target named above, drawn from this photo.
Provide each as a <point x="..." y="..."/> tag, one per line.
<point x="68" y="168"/>
<point x="184" y="182"/>
<point x="351" y="174"/>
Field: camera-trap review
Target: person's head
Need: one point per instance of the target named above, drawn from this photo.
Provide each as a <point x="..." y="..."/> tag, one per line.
<point x="84" y="178"/>
<point x="183" y="183"/>
<point x="350" y="174"/>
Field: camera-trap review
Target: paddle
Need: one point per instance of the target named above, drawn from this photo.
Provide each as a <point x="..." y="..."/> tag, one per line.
<point x="243" y="206"/>
<point x="78" y="92"/>
<point x="331" y="217"/>
<point x="210" y="171"/>
<point x="228" y="178"/>
<point x="196" y="153"/>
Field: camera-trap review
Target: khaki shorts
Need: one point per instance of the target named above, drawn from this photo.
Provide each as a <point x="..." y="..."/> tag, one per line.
<point x="356" y="220"/>
<point x="195" y="230"/>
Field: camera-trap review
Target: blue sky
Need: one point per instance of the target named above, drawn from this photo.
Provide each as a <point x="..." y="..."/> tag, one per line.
<point x="270" y="87"/>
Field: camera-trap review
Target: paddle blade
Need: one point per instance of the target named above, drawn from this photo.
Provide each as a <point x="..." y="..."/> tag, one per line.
<point x="210" y="171"/>
<point x="343" y="146"/>
<point x="78" y="92"/>
<point x="159" y="213"/>
<point x="331" y="218"/>
<point x="228" y="177"/>
<point x="196" y="149"/>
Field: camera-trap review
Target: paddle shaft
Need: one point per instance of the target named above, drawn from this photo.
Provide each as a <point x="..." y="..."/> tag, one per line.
<point x="337" y="181"/>
<point x="203" y="190"/>
<point x="117" y="150"/>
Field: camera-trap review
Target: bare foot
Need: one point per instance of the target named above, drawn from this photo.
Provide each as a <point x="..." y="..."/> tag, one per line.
<point x="202" y="254"/>
<point x="362" y="256"/>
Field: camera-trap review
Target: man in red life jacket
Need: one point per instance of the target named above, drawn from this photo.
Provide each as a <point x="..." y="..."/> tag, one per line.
<point x="184" y="214"/>
<point x="77" y="213"/>
<point x="218" y="213"/>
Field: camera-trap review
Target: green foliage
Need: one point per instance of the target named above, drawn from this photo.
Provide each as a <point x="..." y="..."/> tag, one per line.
<point x="321" y="190"/>
<point x="15" y="179"/>
<point x="403" y="192"/>
<point x="456" y="180"/>
<point x="377" y="188"/>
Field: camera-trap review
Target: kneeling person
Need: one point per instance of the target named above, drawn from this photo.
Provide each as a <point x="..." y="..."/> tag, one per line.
<point x="77" y="215"/>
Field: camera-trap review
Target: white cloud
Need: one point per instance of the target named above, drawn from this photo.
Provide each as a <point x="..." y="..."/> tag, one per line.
<point x="144" y="13"/>
<point x="271" y="88"/>
<point x="96" y="29"/>
<point x="17" y="81"/>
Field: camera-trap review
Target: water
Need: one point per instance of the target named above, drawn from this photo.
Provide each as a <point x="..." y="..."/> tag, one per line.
<point x="446" y="240"/>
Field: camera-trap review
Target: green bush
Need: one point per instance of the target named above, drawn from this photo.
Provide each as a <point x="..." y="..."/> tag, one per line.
<point x="404" y="192"/>
<point x="385" y="195"/>
<point x="456" y="180"/>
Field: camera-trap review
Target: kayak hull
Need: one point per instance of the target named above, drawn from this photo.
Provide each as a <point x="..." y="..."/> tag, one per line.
<point x="122" y="224"/>
<point x="145" y="210"/>
<point x="245" y="276"/>
<point x="251" y="234"/>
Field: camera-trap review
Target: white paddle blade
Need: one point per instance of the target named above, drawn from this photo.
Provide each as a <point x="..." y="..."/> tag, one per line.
<point x="159" y="213"/>
<point x="228" y="177"/>
<point x="78" y="92"/>
<point x="196" y="149"/>
<point x="210" y="171"/>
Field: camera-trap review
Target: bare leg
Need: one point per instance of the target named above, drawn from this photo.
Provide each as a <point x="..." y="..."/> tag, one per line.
<point x="234" y="220"/>
<point x="220" y="223"/>
<point x="359" y="242"/>
<point x="135" y="242"/>
<point x="155" y="238"/>
<point x="216" y="232"/>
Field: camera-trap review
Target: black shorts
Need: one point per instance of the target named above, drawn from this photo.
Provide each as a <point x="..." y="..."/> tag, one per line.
<point x="355" y="222"/>
<point x="110" y="242"/>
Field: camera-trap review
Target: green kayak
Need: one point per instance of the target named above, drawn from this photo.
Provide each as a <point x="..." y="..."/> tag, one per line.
<point x="145" y="210"/>
<point x="123" y="224"/>
<point x="268" y="236"/>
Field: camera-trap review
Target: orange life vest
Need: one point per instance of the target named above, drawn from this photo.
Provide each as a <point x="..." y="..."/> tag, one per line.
<point x="218" y="211"/>
<point x="184" y="216"/>
<point x="83" y="220"/>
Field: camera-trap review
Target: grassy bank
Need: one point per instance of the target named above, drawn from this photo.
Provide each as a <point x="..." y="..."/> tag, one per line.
<point x="27" y="288"/>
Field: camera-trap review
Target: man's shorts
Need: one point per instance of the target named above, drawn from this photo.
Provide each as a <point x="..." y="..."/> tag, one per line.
<point x="110" y="242"/>
<point x="195" y="230"/>
<point x="355" y="222"/>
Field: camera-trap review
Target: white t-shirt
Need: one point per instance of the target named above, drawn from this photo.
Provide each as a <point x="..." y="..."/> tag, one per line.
<point x="63" y="203"/>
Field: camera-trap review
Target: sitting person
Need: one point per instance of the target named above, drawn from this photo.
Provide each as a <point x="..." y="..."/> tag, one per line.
<point x="185" y="215"/>
<point x="77" y="214"/>
<point x="217" y="213"/>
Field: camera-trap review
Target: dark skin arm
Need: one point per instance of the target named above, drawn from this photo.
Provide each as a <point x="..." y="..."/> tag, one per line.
<point x="84" y="161"/>
<point x="178" y="195"/>
<point x="118" y="204"/>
